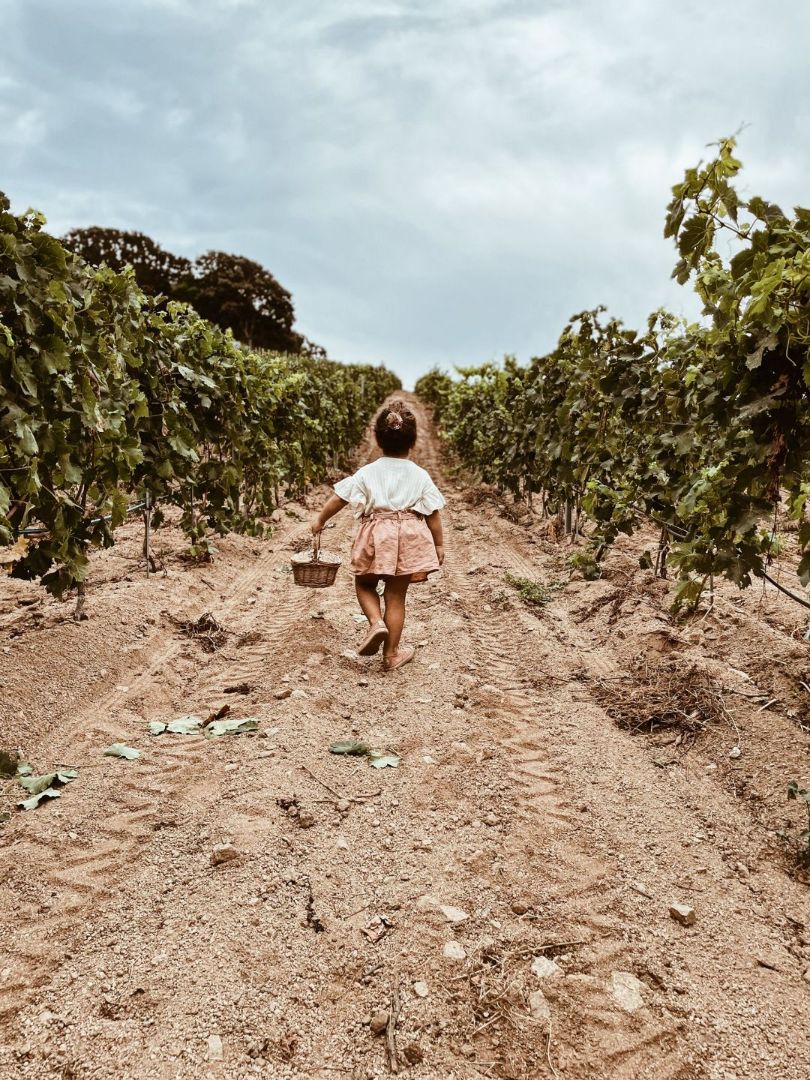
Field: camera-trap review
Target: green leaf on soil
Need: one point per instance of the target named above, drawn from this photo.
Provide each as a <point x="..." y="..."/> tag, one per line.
<point x="35" y="800"/>
<point x="24" y="769"/>
<point x="379" y="760"/>
<point x="231" y="727"/>
<point x="36" y="784"/>
<point x="349" y="746"/>
<point x="120" y="750"/>
<point x="183" y="725"/>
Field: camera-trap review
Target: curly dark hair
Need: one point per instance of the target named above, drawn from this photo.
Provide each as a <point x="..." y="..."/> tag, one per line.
<point x="395" y="429"/>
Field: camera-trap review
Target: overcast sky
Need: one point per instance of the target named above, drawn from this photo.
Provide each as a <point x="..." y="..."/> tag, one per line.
<point x="436" y="181"/>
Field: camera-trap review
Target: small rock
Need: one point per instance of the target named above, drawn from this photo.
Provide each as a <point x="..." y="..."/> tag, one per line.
<point x="626" y="991"/>
<point x="298" y="694"/>
<point x="343" y="806"/>
<point x="539" y="1008"/>
<point x="453" y="914"/>
<point x="223" y="853"/>
<point x="544" y="968"/>
<point x="490" y="819"/>
<point x="578" y="979"/>
<point x="280" y="695"/>
<point x="306" y="819"/>
<point x="522" y="905"/>
<point x="362" y="682"/>
<point x="342" y="843"/>
<point x="734" y="752"/>
<point x="379" y="1022"/>
<point x="421" y="989"/>
<point x="806" y="976"/>
<point x="215" y="1051"/>
<point x="682" y="914"/>
<point x="454" y="950"/>
<point x="413" y="1054"/>
<point x="467" y="1050"/>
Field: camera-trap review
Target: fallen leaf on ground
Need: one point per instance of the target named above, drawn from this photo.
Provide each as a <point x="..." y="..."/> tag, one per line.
<point x="183" y="725"/>
<point x="231" y="727"/>
<point x="349" y="746"/>
<point x="34" y="785"/>
<point x="45" y="786"/>
<point x="120" y="750"/>
<point x="35" y="800"/>
<point x="378" y="760"/>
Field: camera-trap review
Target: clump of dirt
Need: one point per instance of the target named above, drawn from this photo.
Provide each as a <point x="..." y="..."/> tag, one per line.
<point x="669" y="696"/>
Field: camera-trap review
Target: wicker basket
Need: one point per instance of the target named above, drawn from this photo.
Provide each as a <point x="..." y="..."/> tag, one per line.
<point x="317" y="570"/>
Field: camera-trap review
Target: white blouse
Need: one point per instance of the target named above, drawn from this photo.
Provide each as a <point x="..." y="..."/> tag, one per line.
<point x="390" y="484"/>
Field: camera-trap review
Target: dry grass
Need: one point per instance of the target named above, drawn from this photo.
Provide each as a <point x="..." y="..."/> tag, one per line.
<point x="667" y="697"/>
<point x="493" y="996"/>
<point x="211" y="634"/>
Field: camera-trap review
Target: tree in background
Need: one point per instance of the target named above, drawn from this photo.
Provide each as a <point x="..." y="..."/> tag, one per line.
<point x="240" y="295"/>
<point x="231" y="291"/>
<point x="157" y="271"/>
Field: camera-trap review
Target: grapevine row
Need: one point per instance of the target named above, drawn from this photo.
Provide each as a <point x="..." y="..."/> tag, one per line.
<point x="702" y="428"/>
<point x="106" y="394"/>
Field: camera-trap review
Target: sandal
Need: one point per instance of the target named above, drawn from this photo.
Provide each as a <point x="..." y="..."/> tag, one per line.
<point x="374" y="639"/>
<point x="400" y="657"/>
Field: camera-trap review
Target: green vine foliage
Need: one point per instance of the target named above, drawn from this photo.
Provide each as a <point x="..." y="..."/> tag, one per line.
<point x="434" y="387"/>
<point x="106" y="394"/>
<point x="701" y="428"/>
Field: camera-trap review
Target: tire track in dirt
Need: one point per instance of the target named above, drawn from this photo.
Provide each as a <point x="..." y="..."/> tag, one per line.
<point x="576" y="887"/>
<point x="85" y="875"/>
<point x="509" y="647"/>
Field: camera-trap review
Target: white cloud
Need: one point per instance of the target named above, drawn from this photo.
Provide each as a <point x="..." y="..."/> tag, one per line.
<point x="434" y="179"/>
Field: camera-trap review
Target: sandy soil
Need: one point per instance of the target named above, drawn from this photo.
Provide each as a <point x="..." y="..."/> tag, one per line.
<point x="525" y="853"/>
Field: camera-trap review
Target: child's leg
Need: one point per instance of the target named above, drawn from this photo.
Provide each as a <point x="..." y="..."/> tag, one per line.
<point x="395" y="590"/>
<point x="366" y="589"/>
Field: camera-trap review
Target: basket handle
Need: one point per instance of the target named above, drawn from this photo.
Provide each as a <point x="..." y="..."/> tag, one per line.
<point x="316" y="547"/>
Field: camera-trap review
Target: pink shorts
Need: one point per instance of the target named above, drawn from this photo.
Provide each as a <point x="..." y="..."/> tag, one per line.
<point x="392" y="543"/>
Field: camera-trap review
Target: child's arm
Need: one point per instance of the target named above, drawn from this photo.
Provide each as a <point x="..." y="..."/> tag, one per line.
<point x="332" y="505"/>
<point x="434" y="523"/>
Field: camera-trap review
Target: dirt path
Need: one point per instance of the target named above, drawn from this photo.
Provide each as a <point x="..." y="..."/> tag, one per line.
<point x="525" y="844"/>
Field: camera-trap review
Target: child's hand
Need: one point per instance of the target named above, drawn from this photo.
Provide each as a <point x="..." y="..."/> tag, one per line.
<point x="440" y="553"/>
<point x="316" y="526"/>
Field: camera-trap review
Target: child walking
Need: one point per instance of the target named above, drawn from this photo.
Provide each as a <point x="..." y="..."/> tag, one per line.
<point x="400" y="536"/>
